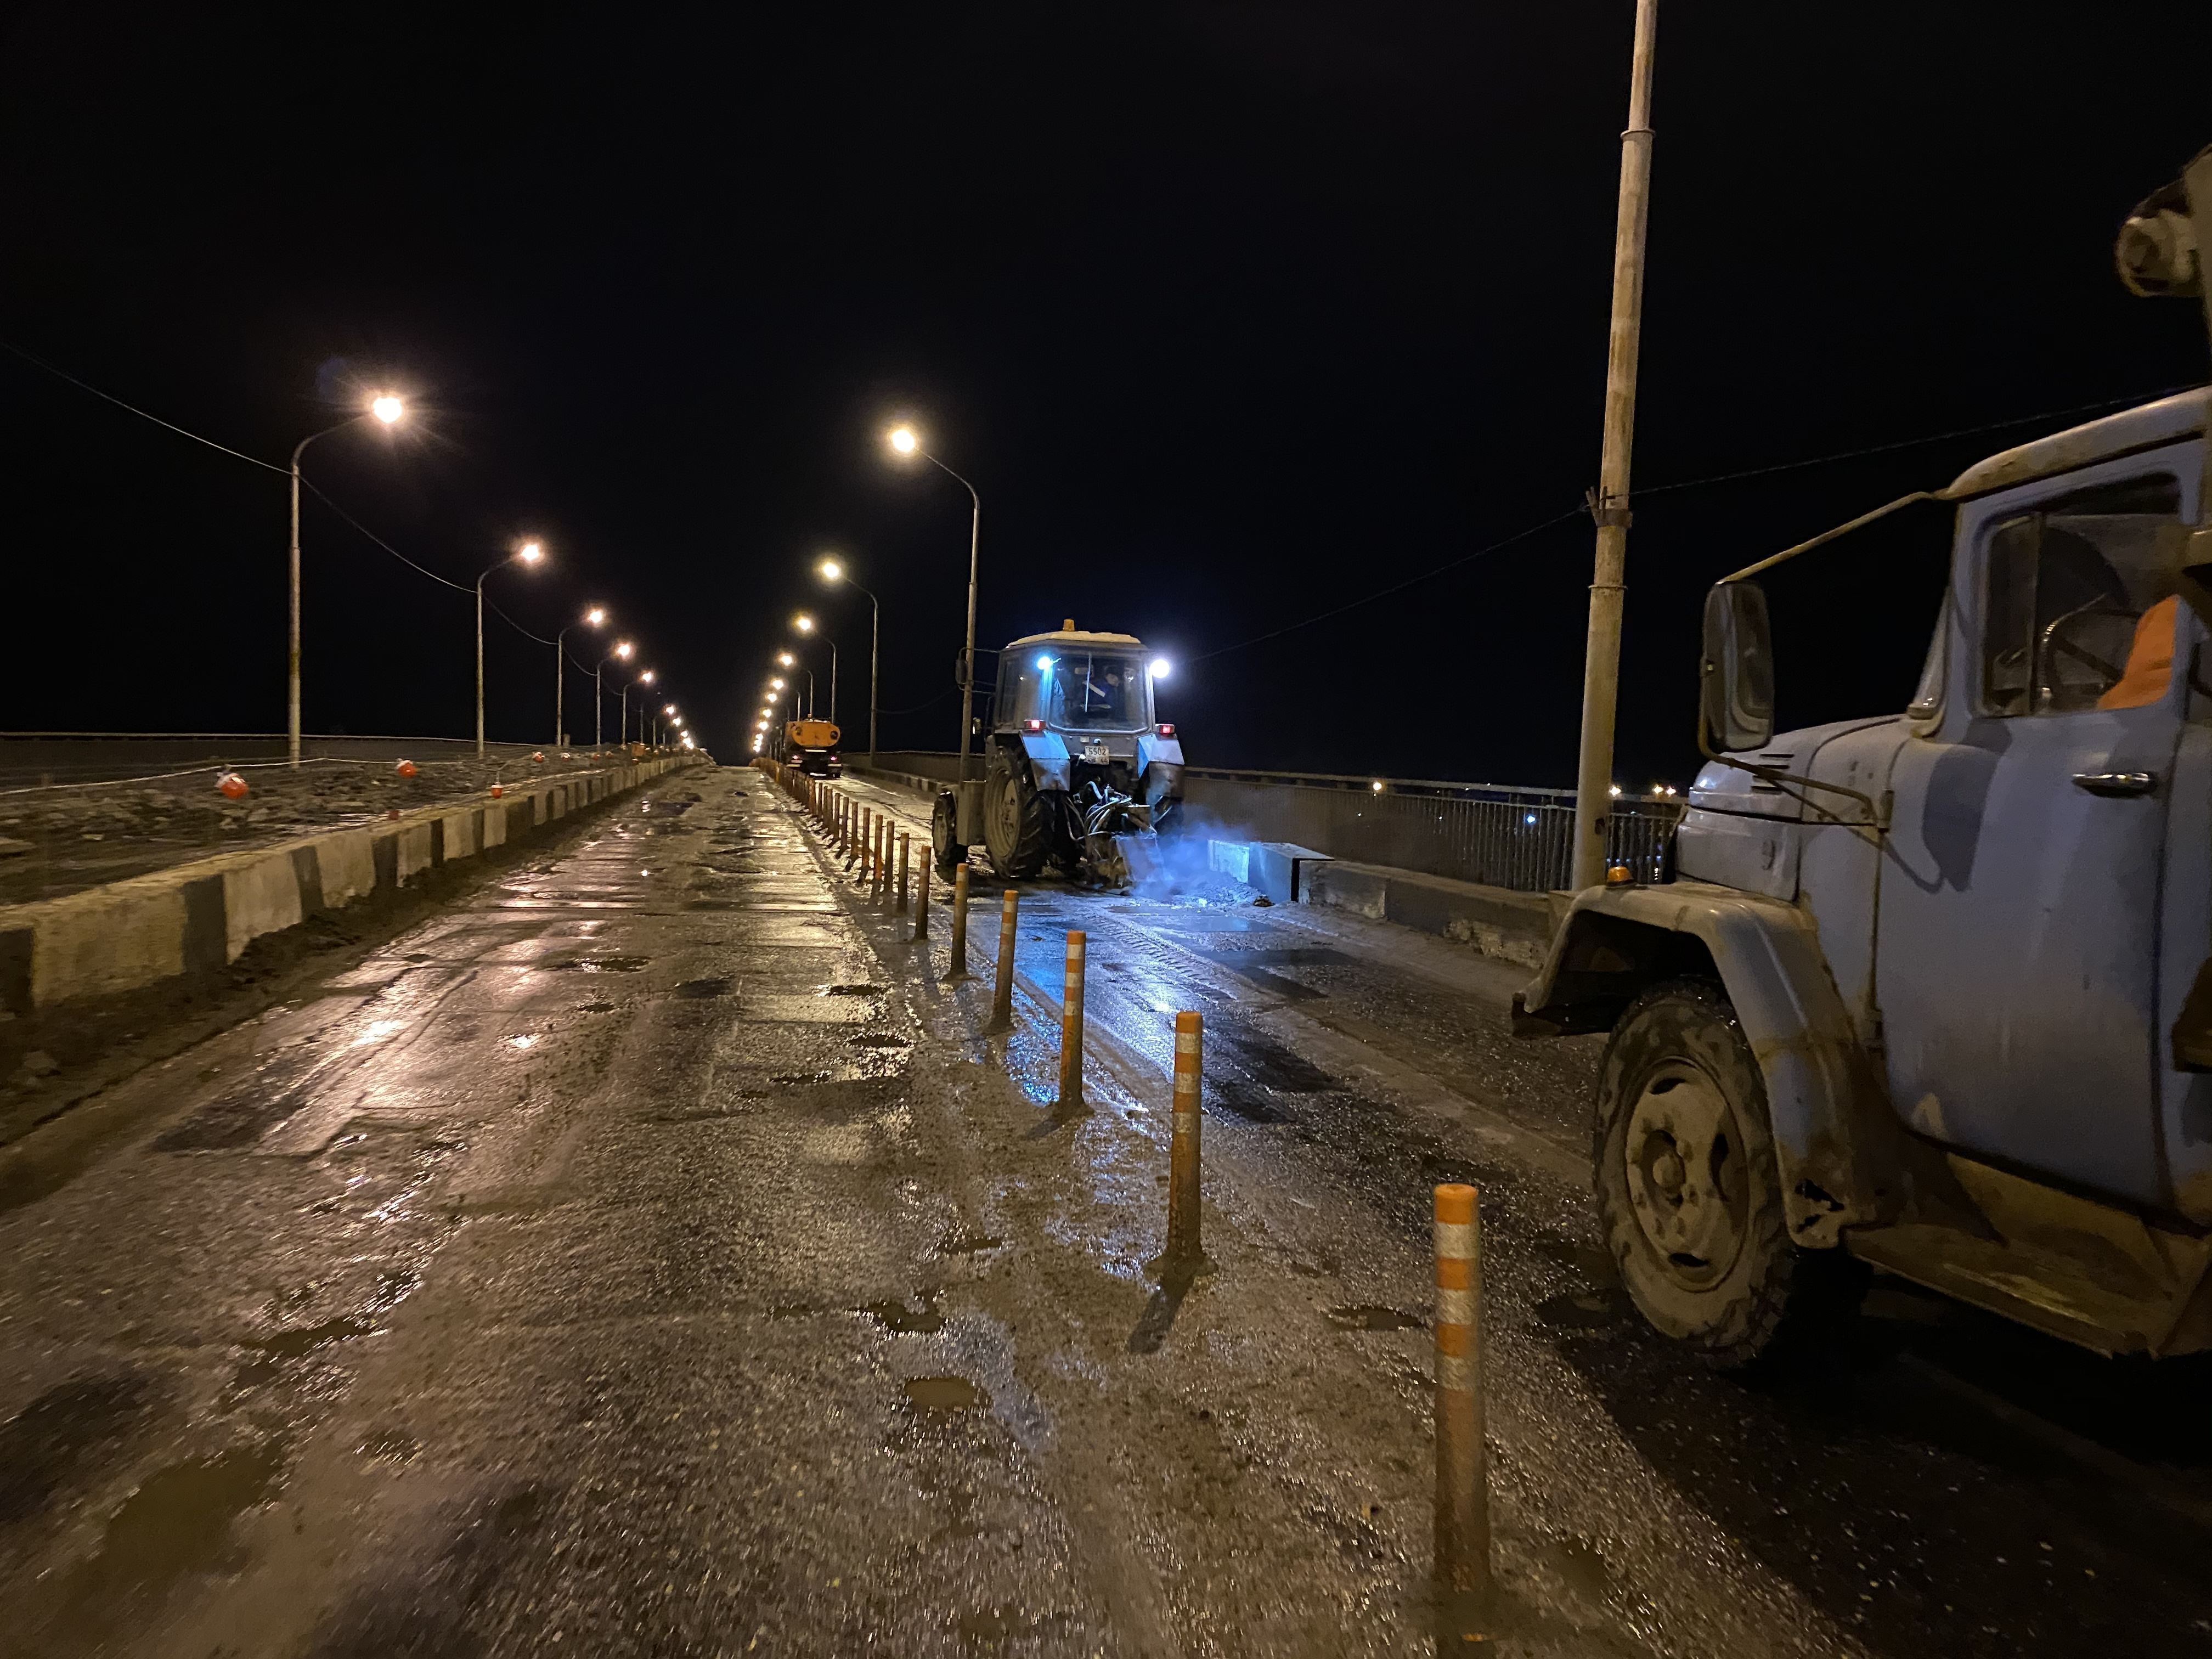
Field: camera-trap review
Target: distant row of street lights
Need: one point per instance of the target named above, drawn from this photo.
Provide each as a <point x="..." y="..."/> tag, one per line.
<point x="905" y="443"/>
<point x="390" y="411"/>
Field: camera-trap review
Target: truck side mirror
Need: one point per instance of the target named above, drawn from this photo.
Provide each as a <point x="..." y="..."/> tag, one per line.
<point x="1735" y="692"/>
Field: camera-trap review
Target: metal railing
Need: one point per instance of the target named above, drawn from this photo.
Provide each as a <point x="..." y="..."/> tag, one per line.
<point x="1497" y="834"/>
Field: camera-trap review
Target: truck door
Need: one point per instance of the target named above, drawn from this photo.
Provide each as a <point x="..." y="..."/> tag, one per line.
<point x="2018" y="950"/>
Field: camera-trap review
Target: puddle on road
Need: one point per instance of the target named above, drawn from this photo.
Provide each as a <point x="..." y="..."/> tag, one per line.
<point x="178" y="1522"/>
<point x="853" y="990"/>
<point x="601" y="964"/>
<point x="74" y="1428"/>
<point x="944" y="1394"/>
<point x="969" y="1244"/>
<point x="298" y="1344"/>
<point x="1374" y="1319"/>
<point x="898" y="1317"/>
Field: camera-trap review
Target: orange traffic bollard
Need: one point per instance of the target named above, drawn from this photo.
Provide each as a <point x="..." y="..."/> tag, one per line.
<point x="956" y="965"/>
<point x="1002" y="993"/>
<point x="1071" y="1027"/>
<point x="906" y="861"/>
<point x="921" y="903"/>
<point x="1463" y="1540"/>
<point x="1185" y="1251"/>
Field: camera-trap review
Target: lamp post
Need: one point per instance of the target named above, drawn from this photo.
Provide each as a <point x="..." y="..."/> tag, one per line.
<point x="383" y="407"/>
<point x="671" y="712"/>
<point x="622" y="650"/>
<point x="832" y="570"/>
<point x="528" y="554"/>
<point x="646" y="678"/>
<point x="904" y="442"/>
<point x="593" y="618"/>
<point x="1608" y="502"/>
<point x="806" y="624"/>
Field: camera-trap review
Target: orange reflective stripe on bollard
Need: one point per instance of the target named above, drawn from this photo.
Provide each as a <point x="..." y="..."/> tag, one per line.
<point x="1462" y="1533"/>
<point x="1071" y="1026"/>
<point x="1002" y="993"/>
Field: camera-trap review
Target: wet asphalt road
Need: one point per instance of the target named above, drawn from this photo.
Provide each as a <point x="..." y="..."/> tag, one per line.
<point x="648" y="1256"/>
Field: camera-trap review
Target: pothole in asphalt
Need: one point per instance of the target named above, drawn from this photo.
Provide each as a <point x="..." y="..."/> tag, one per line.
<point x="177" y="1521"/>
<point x="603" y="965"/>
<point x="944" y="1394"/>
<point x="595" y="1007"/>
<point x="699" y="989"/>
<point x="872" y="1040"/>
<point x="897" y="1316"/>
<point x="712" y="904"/>
<point x="1374" y="1319"/>
<point x="969" y="1244"/>
<point x="854" y="990"/>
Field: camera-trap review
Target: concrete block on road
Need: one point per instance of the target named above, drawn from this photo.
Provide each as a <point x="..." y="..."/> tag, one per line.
<point x="1273" y="866"/>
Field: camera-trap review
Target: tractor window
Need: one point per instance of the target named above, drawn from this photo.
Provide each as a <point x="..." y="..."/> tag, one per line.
<point x="2066" y="585"/>
<point x="1101" y="692"/>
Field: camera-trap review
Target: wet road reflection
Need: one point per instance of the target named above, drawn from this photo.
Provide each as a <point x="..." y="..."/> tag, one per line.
<point x="649" y="1255"/>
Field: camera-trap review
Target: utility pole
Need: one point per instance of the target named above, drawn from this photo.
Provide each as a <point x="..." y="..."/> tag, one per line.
<point x="1609" y="501"/>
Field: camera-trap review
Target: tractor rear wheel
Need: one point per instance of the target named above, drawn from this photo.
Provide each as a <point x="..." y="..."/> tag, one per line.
<point x="1015" y="831"/>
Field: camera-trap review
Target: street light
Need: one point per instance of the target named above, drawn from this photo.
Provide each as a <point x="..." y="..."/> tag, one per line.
<point x="596" y="616"/>
<point x="646" y="678"/>
<point x="806" y="624"/>
<point x="903" y="441"/>
<point x="831" y="570"/>
<point x="528" y="554"/>
<point x="382" y="407"/>
<point x="622" y="650"/>
<point x="786" y="658"/>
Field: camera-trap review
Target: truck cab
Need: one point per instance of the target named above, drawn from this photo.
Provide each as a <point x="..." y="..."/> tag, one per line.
<point x="1929" y="989"/>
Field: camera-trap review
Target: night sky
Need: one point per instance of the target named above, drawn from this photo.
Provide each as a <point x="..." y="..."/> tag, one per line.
<point x="1234" y="314"/>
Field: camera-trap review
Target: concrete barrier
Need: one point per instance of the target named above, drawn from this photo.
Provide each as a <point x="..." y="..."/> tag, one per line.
<point x="132" y="934"/>
<point x="1514" y="927"/>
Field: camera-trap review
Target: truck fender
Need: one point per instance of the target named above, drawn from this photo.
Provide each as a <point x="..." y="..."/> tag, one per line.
<point x="1047" y="755"/>
<point x="1840" y="1148"/>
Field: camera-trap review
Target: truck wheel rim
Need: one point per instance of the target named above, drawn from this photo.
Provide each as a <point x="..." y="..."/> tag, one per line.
<point x="1688" y="1184"/>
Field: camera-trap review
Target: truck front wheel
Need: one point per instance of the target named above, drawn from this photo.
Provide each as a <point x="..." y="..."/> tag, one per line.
<point x="1687" y="1185"/>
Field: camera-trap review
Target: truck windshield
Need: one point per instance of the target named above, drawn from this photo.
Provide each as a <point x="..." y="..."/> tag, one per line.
<point x="1098" y="691"/>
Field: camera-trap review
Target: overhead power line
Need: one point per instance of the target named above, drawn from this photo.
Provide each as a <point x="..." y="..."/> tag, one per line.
<point x="109" y="397"/>
<point x="1697" y="483"/>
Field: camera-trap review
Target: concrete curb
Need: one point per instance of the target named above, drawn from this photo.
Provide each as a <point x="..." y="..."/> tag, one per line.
<point x="129" y="935"/>
<point x="913" y="781"/>
<point x="1496" y="921"/>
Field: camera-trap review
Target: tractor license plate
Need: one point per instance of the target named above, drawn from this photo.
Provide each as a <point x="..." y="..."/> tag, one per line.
<point x="1094" y="752"/>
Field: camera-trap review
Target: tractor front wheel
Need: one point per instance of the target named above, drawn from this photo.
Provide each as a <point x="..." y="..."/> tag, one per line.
<point x="1014" y="827"/>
